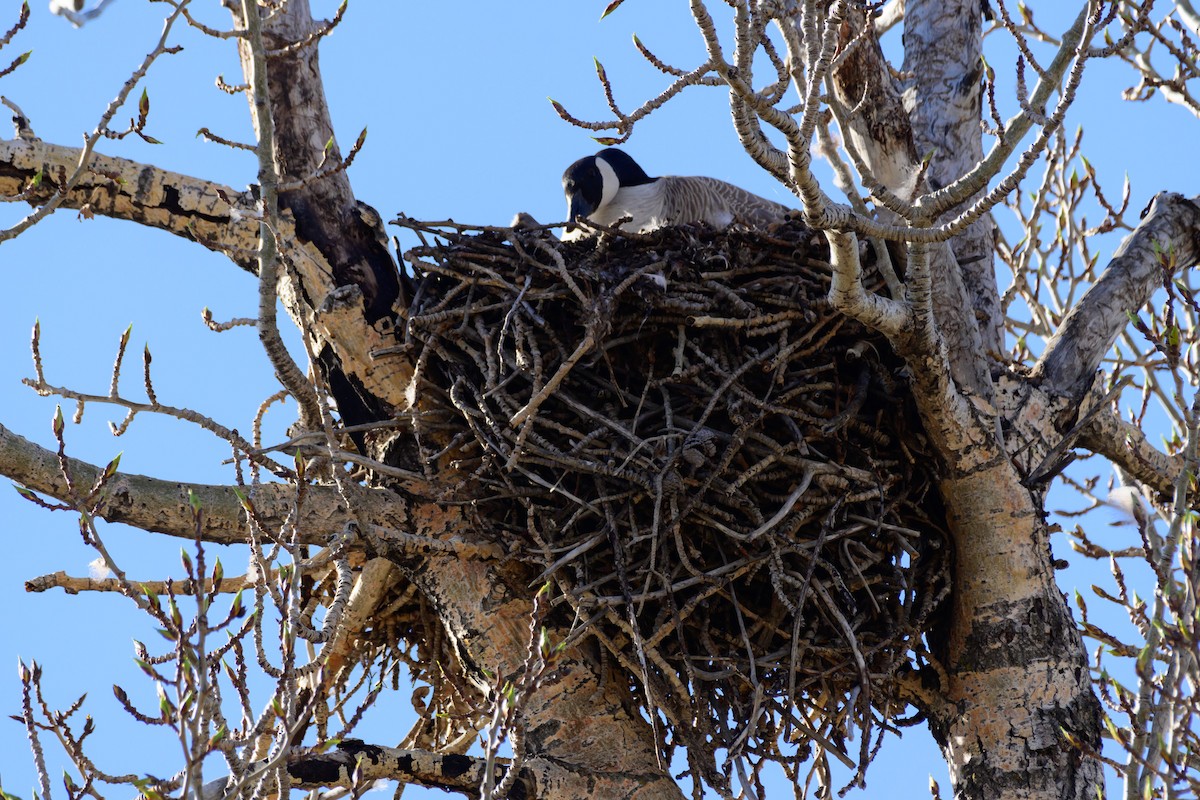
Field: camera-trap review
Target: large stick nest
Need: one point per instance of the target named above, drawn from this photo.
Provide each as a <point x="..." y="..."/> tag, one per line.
<point x="722" y="475"/>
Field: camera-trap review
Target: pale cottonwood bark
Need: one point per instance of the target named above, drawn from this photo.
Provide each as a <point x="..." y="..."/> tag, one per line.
<point x="882" y="133"/>
<point x="943" y="48"/>
<point x="1013" y="695"/>
<point x="1016" y="674"/>
<point x="213" y="215"/>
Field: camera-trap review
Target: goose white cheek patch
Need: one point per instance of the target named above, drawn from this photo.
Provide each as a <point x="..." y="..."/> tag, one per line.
<point x="609" y="183"/>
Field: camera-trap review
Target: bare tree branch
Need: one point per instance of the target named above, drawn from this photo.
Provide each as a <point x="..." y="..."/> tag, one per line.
<point x="357" y="765"/>
<point x="288" y="372"/>
<point x="880" y="140"/>
<point x="68" y="180"/>
<point x="1125" y="444"/>
<point x="164" y="507"/>
<point x="1070" y="51"/>
<point x="72" y="584"/>
<point x="1167" y="238"/>
<point x="216" y="216"/>
<point x="847" y="294"/>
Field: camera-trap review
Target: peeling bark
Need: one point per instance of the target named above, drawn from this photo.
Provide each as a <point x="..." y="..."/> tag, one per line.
<point x="876" y="122"/>
<point x="324" y="209"/>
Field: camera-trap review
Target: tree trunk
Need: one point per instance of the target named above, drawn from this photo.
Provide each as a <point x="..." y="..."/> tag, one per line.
<point x="1014" y="675"/>
<point x="943" y="52"/>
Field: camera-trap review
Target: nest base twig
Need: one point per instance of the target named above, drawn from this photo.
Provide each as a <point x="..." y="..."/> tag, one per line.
<point x="724" y="476"/>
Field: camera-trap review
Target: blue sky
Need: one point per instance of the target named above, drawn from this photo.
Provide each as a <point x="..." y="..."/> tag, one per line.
<point x="459" y="126"/>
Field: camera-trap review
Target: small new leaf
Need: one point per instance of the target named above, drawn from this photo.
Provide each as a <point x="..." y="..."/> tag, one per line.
<point x="176" y="615"/>
<point x="1144" y="660"/>
<point x="611" y="7"/>
<point x="235" y="608"/>
<point x="988" y="70"/>
<point x="164" y="704"/>
<point x="247" y="504"/>
<point x="112" y="467"/>
<point x="1113" y="731"/>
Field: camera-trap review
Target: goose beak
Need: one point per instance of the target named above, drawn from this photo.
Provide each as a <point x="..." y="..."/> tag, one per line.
<point x="578" y="206"/>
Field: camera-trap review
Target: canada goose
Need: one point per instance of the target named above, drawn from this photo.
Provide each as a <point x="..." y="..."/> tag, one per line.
<point x="610" y="185"/>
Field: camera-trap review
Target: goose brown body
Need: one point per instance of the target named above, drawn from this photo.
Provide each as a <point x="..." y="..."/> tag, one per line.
<point x="610" y="185"/>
